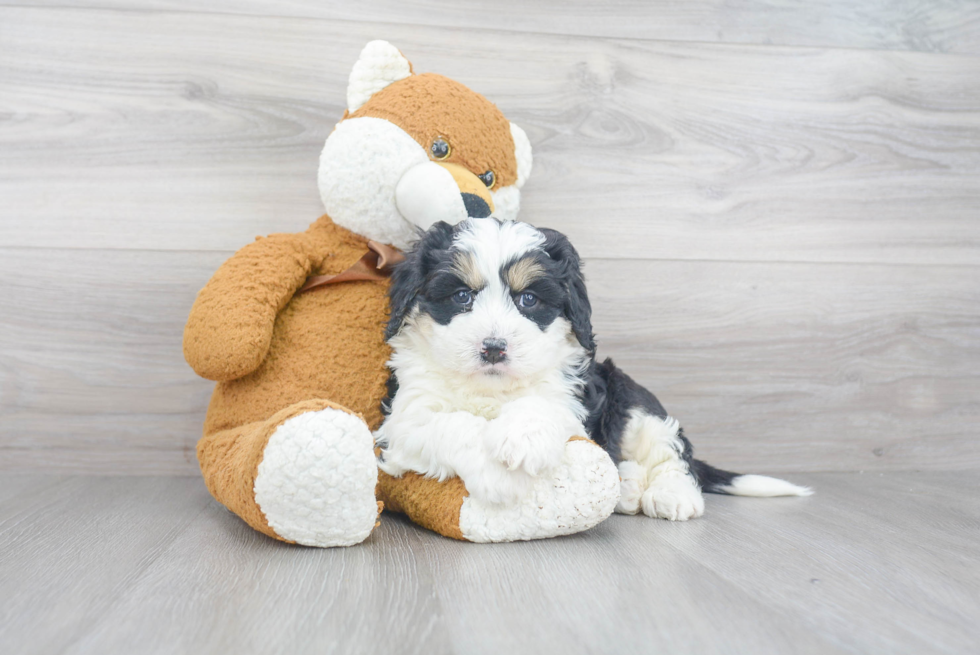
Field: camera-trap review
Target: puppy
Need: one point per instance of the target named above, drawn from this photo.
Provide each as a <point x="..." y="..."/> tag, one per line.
<point x="493" y="369"/>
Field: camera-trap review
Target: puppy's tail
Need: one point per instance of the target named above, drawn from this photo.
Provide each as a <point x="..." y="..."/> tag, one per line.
<point x="717" y="481"/>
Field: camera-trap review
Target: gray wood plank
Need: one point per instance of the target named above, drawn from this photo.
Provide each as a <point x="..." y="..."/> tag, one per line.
<point x="225" y="588"/>
<point x="13" y="485"/>
<point x="770" y="367"/>
<point x="595" y="596"/>
<point x="802" y="367"/>
<point x="871" y="563"/>
<point x="92" y="376"/>
<point x="643" y="149"/>
<point x="936" y="26"/>
<point x="68" y="551"/>
<point x="896" y="552"/>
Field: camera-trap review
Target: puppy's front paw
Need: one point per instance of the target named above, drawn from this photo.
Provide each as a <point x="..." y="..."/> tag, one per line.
<point x="673" y="496"/>
<point x="527" y="441"/>
<point x="495" y="485"/>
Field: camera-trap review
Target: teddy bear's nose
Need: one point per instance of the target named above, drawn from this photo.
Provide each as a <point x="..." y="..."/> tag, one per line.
<point x="476" y="207"/>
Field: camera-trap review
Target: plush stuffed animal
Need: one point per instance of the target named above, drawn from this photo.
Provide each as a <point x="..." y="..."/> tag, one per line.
<point x="291" y="327"/>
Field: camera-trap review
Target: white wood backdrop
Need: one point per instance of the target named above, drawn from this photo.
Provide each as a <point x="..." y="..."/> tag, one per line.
<point x="779" y="205"/>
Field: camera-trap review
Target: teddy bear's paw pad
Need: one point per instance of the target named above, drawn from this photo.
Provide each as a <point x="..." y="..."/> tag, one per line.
<point x="316" y="481"/>
<point x="577" y="495"/>
<point x="673" y="496"/>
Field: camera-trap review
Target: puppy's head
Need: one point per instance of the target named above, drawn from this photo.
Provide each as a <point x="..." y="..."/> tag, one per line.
<point x="497" y="302"/>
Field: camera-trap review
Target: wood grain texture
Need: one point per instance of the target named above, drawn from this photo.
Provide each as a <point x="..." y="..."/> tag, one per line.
<point x="911" y="556"/>
<point x="198" y="131"/>
<point x="929" y="26"/>
<point x="68" y="551"/>
<point x="92" y="375"/>
<point x="872" y="563"/>
<point x="770" y="367"/>
<point x="804" y="365"/>
<point x="224" y="588"/>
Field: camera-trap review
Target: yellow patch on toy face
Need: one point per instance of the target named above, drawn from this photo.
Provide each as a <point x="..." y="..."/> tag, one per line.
<point x="430" y="107"/>
<point x="469" y="183"/>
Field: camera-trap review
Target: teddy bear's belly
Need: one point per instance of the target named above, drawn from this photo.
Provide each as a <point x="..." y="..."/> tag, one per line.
<point x="327" y="343"/>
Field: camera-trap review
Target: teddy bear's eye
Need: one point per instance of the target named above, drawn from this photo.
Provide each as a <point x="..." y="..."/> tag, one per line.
<point x="489" y="179"/>
<point x="440" y="149"/>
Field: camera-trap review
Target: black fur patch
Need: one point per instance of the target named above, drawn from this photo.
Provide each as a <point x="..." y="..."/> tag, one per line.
<point x="567" y="269"/>
<point x="391" y="388"/>
<point x="710" y="479"/>
<point x="610" y="395"/>
<point x="436" y="298"/>
<point x="549" y="289"/>
<point x="431" y="254"/>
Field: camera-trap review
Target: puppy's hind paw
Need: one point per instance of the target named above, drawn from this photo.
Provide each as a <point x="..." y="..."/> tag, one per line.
<point x="632" y="482"/>
<point x="673" y="496"/>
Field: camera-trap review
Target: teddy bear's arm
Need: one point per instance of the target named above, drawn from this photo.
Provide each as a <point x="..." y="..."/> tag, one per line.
<point x="230" y="325"/>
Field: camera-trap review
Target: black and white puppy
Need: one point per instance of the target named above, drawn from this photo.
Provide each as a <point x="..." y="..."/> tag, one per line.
<point x="493" y="369"/>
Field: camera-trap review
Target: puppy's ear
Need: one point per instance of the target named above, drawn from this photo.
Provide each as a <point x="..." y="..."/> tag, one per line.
<point x="408" y="277"/>
<point x="577" y="309"/>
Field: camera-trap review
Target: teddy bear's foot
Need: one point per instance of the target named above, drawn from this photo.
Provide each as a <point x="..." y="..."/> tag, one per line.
<point x="315" y="483"/>
<point x="579" y="494"/>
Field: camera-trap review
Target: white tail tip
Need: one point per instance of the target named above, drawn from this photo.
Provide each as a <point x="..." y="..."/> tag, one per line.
<point x="762" y="486"/>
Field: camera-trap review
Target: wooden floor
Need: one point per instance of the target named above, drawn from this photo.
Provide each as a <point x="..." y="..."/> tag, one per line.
<point x="873" y="563"/>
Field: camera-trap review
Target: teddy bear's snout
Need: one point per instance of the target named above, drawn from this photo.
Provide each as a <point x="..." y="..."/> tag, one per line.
<point x="434" y="191"/>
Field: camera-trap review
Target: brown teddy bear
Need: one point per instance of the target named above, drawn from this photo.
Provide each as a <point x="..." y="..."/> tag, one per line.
<point x="291" y="327"/>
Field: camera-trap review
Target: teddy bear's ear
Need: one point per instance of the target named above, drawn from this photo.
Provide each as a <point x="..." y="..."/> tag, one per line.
<point x="522" y="151"/>
<point x="379" y="65"/>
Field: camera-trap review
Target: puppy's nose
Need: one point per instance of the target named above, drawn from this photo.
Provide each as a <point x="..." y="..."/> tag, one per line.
<point x="494" y="351"/>
<point x="476" y="207"/>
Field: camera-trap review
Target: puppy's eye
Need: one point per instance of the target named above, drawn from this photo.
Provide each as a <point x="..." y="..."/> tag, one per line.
<point x="463" y="297"/>
<point x="440" y="149"/>
<point x="489" y="179"/>
<point x="527" y="300"/>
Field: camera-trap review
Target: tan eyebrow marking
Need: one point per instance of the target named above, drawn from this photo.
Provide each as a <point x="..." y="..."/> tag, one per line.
<point x="522" y="273"/>
<point x="464" y="266"/>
